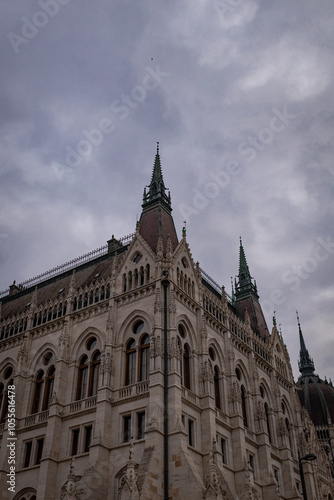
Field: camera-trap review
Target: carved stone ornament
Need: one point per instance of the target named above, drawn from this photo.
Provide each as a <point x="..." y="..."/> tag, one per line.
<point x="169" y="247"/>
<point x="204" y="332"/>
<point x="213" y="483"/>
<point x="160" y="248"/>
<point x="281" y="428"/>
<point x="234" y="393"/>
<point x="206" y="372"/>
<point x="158" y="302"/>
<point x="23" y="353"/>
<point x="68" y="491"/>
<point x="64" y="339"/>
<point x="172" y="302"/>
<point x="260" y="413"/>
<point x="110" y="320"/>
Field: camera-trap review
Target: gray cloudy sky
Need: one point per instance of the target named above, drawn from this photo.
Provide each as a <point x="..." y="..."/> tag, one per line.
<point x="240" y="95"/>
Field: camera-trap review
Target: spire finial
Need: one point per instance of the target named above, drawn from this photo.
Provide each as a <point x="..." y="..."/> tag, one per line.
<point x="157" y="147"/>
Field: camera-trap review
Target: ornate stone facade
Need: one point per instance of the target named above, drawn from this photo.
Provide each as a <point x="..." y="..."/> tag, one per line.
<point x="137" y="377"/>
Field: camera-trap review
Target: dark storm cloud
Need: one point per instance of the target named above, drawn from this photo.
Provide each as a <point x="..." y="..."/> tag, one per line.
<point x="246" y="82"/>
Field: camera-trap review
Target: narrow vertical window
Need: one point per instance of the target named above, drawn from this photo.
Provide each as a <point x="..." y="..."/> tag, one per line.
<point x="287" y="423"/>
<point x="223" y="449"/>
<point x="130" y="368"/>
<point x="266" y="409"/>
<point x="82" y="378"/>
<point x="190" y="432"/>
<point x="144" y="366"/>
<point x="216" y="387"/>
<point x="94" y="373"/>
<point x="37" y="392"/>
<point x="75" y="441"/>
<point x="39" y="450"/>
<point x="3" y="403"/>
<point x="140" y="425"/>
<point x="2" y="400"/>
<point x="141" y="276"/>
<point x="49" y="383"/>
<point x="186" y="366"/>
<point x="127" y="428"/>
<point x="88" y="438"/>
<point x="243" y="405"/>
<point x="27" y="453"/>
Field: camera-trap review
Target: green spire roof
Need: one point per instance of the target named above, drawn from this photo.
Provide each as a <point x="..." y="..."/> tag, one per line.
<point x="305" y="363"/>
<point x="157" y="192"/>
<point x="244" y="285"/>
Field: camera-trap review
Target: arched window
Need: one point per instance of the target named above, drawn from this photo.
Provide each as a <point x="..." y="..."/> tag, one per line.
<point x="130" y="369"/>
<point x="144" y="358"/>
<point x="216" y="386"/>
<point x="141" y="276"/>
<point x="82" y="377"/>
<point x="44" y="383"/>
<point x="49" y="383"/>
<point x="38" y="391"/>
<point x="243" y="405"/>
<point x="94" y="373"/>
<point x="137" y="369"/>
<point x="88" y="370"/>
<point x="186" y="366"/>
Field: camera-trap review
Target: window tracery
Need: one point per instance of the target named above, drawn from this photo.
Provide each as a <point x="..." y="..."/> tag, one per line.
<point x="88" y="370"/>
<point x="137" y="354"/>
<point x="44" y="383"/>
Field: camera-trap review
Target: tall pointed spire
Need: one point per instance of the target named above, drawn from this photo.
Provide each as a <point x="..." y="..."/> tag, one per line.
<point x="156" y="221"/>
<point x="244" y="286"/>
<point x="247" y="299"/>
<point x="156" y="192"/>
<point x="305" y="363"/>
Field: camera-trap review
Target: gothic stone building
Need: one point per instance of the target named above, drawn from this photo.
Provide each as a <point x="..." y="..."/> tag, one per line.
<point x="136" y="377"/>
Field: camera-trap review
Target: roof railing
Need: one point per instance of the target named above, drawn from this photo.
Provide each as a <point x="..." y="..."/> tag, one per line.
<point x="214" y="284"/>
<point x="71" y="264"/>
